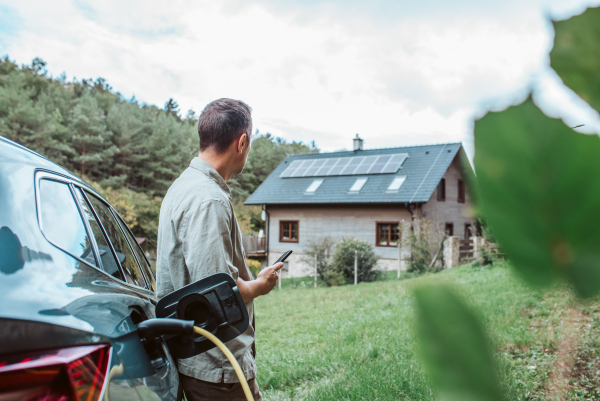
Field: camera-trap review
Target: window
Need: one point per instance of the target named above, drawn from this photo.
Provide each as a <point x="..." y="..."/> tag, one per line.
<point x="313" y="186"/>
<point x="441" y="190"/>
<point x="468" y="232"/>
<point x="288" y="231"/>
<point x="123" y="252"/>
<point x="388" y="234"/>
<point x="61" y="222"/>
<point x="109" y="264"/>
<point x="358" y="184"/>
<point x="461" y="191"/>
<point x="396" y="184"/>
<point x="139" y="254"/>
<point x="449" y="229"/>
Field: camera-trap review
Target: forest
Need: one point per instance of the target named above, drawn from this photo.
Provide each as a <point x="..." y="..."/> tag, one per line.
<point x="130" y="151"/>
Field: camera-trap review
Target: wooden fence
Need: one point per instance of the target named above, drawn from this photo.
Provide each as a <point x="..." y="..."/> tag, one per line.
<point x="466" y="250"/>
<point x="494" y="250"/>
<point x="254" y="246"/>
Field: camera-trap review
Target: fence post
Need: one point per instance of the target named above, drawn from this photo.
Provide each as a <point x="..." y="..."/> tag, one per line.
<point x="315" y="271"/>
<point x="279" y="279"/>
<point x="399" y="258"/>
<point x="355" y="267"/>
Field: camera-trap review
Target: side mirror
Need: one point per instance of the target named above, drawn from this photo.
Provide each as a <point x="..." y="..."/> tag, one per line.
<point x="214" y="304"/>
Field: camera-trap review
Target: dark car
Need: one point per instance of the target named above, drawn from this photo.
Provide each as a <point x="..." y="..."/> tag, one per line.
<point x="73" y="285"/>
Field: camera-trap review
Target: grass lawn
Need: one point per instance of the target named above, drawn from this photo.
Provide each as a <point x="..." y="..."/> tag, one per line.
<point x="357" y="342"/>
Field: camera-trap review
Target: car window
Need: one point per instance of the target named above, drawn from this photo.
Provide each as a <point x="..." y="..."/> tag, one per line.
<point x="61" y="222"/>
<point x="109" y="264"/>
<point x="143" y="262"/>
<point x="130" y="267"/>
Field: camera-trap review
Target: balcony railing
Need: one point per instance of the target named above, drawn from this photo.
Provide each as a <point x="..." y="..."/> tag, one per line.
<point x="254" y="246"/>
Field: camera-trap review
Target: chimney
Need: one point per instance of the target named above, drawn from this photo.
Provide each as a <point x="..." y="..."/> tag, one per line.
<point x="358" y="143"/>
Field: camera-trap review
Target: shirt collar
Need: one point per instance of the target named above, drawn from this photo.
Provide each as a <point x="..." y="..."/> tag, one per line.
<point x="210" y="171"/>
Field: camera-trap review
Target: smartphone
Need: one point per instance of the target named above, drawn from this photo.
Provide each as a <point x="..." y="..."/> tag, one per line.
<point x="283" y="257"/>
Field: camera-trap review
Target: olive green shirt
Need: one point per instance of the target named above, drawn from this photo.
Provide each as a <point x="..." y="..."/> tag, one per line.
<point x="198" y="235"/>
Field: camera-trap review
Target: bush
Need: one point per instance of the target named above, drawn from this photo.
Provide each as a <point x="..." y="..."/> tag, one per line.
<point x="254" y="266"/>
<point x="343" y="260"/>
<point x="321" y="248"/>
<point x="423" y="238"/>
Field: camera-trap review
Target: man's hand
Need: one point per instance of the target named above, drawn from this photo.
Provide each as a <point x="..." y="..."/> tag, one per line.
<point x="264" y="283"/>
<point x="269" y="276"/>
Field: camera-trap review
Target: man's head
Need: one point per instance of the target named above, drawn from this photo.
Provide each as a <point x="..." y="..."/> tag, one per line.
<point x="225" y="129"/>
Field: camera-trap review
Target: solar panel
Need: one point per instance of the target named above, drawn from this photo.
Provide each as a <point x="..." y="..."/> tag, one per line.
<point x="345" y="166"/>
<point x="291" y="168"/>
<point x="380" y="164"/>
<point x="366" y="165"/>
<point x="354" y="163"/>
<point x="329" y="163"/>
<point x="302" y="168"/>
<point x="394" y="163"/>
<point x="337" y="169"/>
<point x="314" y="168"/>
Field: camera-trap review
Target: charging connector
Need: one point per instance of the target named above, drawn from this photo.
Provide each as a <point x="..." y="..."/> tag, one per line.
<point x="153" y="328"/>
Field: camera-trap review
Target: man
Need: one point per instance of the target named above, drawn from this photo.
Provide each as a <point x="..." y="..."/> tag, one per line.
<point x="198" y="236"/>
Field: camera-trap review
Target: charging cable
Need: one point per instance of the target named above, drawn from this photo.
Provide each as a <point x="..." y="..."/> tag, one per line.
<point x="229" y="355"/>
<point x="153" y="328"/>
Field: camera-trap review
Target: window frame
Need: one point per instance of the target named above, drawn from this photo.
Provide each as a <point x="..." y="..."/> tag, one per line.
<point x="461" y="198"/>
<point x="75" y="185"/>
<point x="451" y="225"/>
<point x="109" y="242"/>
<point x="124" y="225"/>
<point x="468" y="227"/>
<point x="441" y="190"/>
<point x="38" y="201"/>
<point x="281" y="223"/>
<point x="390" y="223"/>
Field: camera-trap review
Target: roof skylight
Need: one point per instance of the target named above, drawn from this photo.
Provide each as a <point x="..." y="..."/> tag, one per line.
<point x="313" y="186"/>
<point x="396" y="184"/>
<point x="358" y="184"/>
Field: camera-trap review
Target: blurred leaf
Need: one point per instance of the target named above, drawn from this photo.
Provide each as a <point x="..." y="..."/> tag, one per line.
<point x="454" y="348"/>
<point x="538" y="185"/>
<point x="575" y="56"/>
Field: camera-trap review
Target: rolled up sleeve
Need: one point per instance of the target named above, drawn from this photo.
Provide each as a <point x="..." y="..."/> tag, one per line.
<point x="208" y="247"/>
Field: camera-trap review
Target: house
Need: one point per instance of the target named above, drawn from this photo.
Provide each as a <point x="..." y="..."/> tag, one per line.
<point x="365" y="194"/>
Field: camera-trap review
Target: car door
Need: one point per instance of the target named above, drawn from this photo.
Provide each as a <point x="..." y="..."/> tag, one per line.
<point x="115" y="287"/>
<point x="164" y="381"/>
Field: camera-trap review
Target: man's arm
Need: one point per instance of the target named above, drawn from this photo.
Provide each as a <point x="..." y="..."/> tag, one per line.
<point x="207" y="247"/>
<point x="264" y="283"/>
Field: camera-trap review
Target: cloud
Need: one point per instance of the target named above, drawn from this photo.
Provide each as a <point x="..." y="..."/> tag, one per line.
<point x="396" y="72"/>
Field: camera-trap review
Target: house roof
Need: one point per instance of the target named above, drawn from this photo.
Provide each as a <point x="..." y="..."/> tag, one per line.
<point x="423" y="170"/>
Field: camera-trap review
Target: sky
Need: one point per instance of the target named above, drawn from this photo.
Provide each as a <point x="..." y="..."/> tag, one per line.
<point x="395" y="72"/>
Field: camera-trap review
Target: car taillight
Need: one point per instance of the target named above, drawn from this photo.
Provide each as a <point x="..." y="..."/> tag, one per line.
<point x="67" y="374"/>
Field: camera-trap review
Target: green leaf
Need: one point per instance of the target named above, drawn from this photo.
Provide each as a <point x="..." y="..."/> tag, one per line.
<point x="454" y="348"/>
<point x="538" y="186"/>
<point x="575" y="56"/>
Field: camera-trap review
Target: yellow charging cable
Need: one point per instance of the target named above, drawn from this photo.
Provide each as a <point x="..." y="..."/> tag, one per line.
<point x="229" y="355"/>
<point x="118" y="369"/>
<point x="114" y="371"/>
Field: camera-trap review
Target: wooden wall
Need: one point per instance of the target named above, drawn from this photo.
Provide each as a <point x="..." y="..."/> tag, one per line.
<point x="450" y="211"/>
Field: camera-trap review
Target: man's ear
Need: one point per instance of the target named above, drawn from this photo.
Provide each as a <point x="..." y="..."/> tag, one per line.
<point x="242" y="143"/>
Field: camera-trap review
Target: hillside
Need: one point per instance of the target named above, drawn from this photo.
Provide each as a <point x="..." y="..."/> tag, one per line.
<point x="129" y="150"/>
